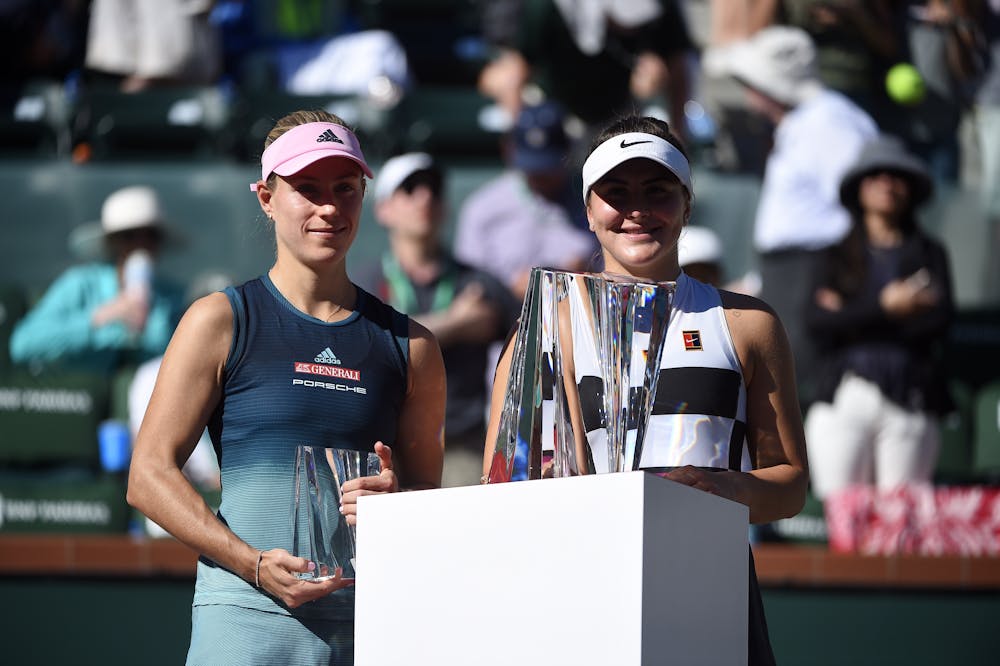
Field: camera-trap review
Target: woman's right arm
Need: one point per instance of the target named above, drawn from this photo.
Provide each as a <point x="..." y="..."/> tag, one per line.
<point x="188" y="387"/>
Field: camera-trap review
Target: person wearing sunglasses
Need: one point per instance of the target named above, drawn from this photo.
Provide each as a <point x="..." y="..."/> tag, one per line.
<point x="467" y="309"/>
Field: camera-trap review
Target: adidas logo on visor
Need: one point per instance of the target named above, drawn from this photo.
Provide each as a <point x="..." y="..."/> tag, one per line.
<point x="328" y="135"/>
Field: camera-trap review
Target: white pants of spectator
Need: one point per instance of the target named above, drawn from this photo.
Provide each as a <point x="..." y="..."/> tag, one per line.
<point x="154" y="39"/>
<point x="864" y="438"/>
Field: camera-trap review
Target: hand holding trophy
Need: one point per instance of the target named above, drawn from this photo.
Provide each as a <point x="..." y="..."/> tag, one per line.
<point x="322" y="532"/>
<point x="576" y="327"/>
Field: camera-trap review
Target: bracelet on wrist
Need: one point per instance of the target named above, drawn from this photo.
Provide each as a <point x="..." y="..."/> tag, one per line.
<point x="256" y="575"/>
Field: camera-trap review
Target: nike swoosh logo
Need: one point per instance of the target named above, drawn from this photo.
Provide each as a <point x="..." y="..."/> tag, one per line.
<point x="634" y="143"/>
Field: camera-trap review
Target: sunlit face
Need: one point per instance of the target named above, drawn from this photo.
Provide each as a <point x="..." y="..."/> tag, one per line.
<point x="884" y="192"/>
<point x="317" y="210"/>
<point x="637" y="211"/>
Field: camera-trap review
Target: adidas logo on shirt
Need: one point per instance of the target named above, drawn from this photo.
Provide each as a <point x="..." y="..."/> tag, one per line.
<point x="327" y="356"/>
<point x="328" y="135"/>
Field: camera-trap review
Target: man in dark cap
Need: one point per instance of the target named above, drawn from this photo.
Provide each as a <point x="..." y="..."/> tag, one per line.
<point x="531" y="214"/>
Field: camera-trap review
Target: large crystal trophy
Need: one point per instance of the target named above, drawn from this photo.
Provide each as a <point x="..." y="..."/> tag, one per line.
<point x="321" y="533"/>
<point x="583" y="375"/>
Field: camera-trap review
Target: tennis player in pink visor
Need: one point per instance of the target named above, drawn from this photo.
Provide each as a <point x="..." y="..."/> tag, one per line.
<point x="299" y="355"/>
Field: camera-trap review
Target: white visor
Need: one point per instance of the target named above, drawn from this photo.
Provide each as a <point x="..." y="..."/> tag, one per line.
<point x="634" y="145"/>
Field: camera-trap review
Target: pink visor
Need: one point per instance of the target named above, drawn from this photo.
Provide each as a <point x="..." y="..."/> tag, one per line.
<point x="300" y="146"/>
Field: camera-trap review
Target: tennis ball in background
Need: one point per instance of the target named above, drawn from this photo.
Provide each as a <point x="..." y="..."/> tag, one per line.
<point x="905" y="85"/>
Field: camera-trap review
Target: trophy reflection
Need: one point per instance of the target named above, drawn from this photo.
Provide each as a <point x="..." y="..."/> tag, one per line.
<point x="583" y="375"/>
<point x="321" y="533"/>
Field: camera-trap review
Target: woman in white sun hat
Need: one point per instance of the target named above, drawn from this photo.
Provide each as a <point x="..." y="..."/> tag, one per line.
<point x="113" y="309"/>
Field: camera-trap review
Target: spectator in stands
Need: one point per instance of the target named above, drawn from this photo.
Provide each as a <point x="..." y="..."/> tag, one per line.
<point x="818" y="134"/>
<point x="700" y="254"/>
<point x="466" y="309"/>
<point x="625" y="50"/>
<point x="987" y="116"/>
<point x="947" y="47"/>
<point x="310" y="48"/>
<point x="527" y="216"/>
<point x="146" y="43"/>
<point x="856" y="42"/>
<point x="115" y="311"/>
<point x="881" y="303"/>
<point x="42" y="39"/>
<point x="742" y="135"/>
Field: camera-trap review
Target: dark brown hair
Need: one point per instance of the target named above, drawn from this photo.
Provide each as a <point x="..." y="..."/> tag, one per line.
<point x="644" y="124"/>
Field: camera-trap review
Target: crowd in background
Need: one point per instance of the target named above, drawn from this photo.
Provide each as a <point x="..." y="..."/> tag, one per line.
<point x="795" y="92"/>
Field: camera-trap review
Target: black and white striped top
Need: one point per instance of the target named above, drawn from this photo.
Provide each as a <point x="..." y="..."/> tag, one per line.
<point x="699" y="413"/>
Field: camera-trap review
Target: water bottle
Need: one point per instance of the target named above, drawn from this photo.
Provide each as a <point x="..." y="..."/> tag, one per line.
<point x="137" y="274"/>
<point x="137" y="282"/>
<point x="115" y="445"/>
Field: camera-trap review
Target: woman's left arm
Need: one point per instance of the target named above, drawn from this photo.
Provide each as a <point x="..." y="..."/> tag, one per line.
<point x="415" y="460"/>
<point x="776" y="487"/>
<point x="420" y="438"/>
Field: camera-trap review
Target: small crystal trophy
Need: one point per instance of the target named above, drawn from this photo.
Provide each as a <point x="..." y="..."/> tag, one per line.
<point x="321" y="533"/>
<point x="583" y="375"/>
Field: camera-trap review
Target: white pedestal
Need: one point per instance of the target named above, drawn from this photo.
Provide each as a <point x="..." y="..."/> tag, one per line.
<point x="610" y="569"/>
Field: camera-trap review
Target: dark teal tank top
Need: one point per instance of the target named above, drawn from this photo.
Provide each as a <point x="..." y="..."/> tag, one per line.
<point x="292" y="379"/>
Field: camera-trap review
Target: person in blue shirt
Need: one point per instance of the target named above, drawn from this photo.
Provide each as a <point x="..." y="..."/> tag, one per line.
<point x="113" y="311"/>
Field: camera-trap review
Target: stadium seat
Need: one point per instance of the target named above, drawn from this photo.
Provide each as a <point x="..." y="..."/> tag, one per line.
<point x="34" y="120"/>
<point x="12" y="307"/>
<point x="442" y="38"/>
<point x="986" y="461"/>
<point x="51" y="419"/>
<point x="169" y="122"/>
<point x="973" y="345"/>
<point x="954" y="463"/>
<point x="808" y="526"/>
<point x="448" y="121"/>
<point x="64" y="501"/>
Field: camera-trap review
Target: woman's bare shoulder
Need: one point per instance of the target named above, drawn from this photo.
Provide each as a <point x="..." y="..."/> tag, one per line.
<point x="747" y="310"/>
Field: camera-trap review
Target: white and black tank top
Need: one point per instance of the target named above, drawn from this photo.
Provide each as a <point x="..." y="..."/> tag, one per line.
<point x="699" y="412"/>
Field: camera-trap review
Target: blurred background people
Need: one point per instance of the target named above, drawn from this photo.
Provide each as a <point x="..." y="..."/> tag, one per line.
<point x="947" y="47"/>
<point x="597" y="58"/>
<point x="742" y="137"/>
<point x="856" y="42"/>
<point x="113" y="310"/>
<point x="987" y="123"/>
<point x="144" y="43"/>
<point x="880" y="306"/>
<point x="701" y="255"/>
<point x="466" y="309"/>
<point x="531" y="214"/>
<point x="818" y="134"/>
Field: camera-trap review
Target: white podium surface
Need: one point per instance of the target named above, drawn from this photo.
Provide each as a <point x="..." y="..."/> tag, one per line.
<point x="609" y="569"/>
